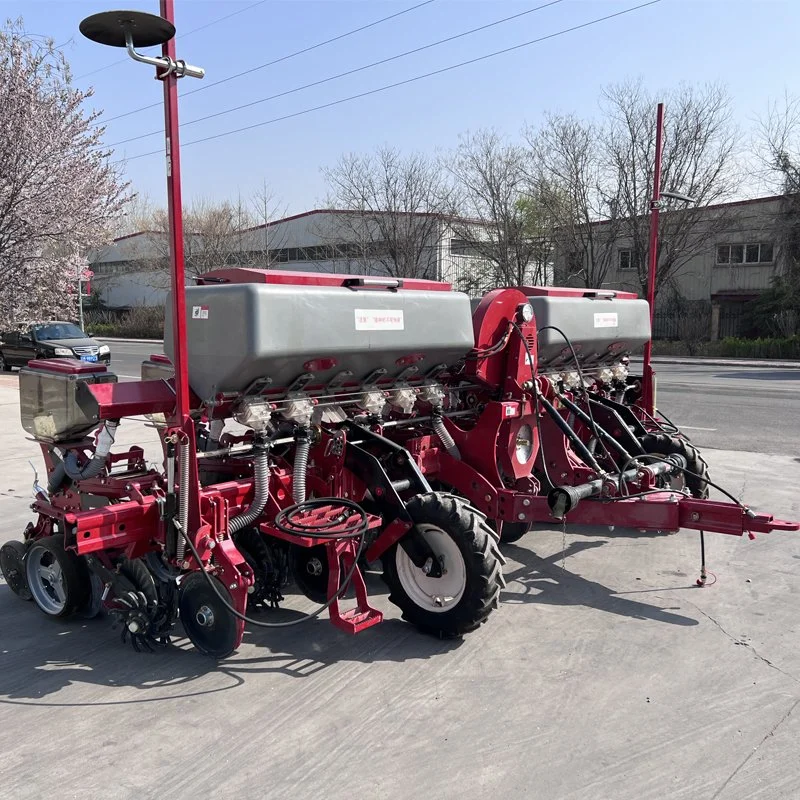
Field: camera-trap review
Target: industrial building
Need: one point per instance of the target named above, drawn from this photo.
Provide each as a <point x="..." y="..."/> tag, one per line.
<point x="736" y="254"/>
<point x="133" y="269"/>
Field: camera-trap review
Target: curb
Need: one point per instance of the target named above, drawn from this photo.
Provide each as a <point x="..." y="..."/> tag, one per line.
<point x="128" y="341"/>
<point x="724" y="362"/>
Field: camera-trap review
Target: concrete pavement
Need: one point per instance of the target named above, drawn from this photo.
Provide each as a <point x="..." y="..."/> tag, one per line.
<point x="605" y="675"/>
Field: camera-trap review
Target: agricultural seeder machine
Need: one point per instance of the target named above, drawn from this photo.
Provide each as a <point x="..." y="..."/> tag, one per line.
<point x="314" y="424"/>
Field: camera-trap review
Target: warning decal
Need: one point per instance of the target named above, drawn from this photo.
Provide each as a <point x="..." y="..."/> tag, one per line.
<point x="379" y="319"/>
<point x="199" y="312"/>
<point x="606" y="320"/>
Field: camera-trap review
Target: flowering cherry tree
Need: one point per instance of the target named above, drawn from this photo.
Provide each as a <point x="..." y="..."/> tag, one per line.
<point x="59" y="195"/>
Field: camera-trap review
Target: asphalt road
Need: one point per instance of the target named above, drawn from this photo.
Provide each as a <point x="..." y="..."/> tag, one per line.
<point x="726" y="408"/>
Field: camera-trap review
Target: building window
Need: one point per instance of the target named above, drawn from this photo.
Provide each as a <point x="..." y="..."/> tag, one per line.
<point x="754" y="253"/>
<point x="625" y="259"/>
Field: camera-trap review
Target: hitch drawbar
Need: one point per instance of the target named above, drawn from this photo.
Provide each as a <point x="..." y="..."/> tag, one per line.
<point x="562" y="499"/>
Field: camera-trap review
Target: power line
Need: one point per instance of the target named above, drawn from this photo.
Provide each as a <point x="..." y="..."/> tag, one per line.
<point x="278" y="60"/>
<point x="183" y="36"/>
<point x="403" y="82"/>
<point x="342" y="74"/>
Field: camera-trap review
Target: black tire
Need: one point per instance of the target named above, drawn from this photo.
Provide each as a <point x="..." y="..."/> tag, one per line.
<point x="513" y="531"/>
<point x="253" y="548"/>
<point x="309" y="568"/>
<point x="4" y="365"/>
<point x="663" y="444"/>
<point x="466" y="533"/>
<point x="74" y="587"/>
<point x="213" y="634"/>
<point x="12" y="565"/>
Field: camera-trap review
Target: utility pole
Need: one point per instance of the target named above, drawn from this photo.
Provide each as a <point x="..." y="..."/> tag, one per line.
<point x="648" y="375"/>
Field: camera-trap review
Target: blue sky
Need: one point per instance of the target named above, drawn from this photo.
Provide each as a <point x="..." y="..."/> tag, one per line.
<point x="750" y="45"/>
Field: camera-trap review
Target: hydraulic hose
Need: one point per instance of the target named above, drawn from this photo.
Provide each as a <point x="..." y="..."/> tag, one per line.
<point x="59" y="473"/>
<point x="601" y="433"/>
<point x="260" y="494"/>
<point x="302" y="446"/>
<point x="444" y="435"/>
<point x="104" y="441"/>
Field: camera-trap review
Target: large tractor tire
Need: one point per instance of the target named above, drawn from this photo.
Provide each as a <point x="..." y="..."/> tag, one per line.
<point x="463" y="597"/>
<point x="662" y="444"/>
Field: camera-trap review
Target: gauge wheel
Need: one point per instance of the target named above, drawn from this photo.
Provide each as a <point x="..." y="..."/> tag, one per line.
<point x="210" y="626"/>
<point x="55" y="578"/>
<point x="513" y="531"/>
<point x="309" y="567"/>
<point x="468" y="590"/>
<point x="12" y="565"/>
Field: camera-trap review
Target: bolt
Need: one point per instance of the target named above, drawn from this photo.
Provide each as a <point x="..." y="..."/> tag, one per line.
<point x="488" y="498"/>
<point x="526" y="502"/>
<point x="521" y="517"/>
<point x="133" y="626"/>
<point x="233" y="586"/>
<point x="695" y="516"/>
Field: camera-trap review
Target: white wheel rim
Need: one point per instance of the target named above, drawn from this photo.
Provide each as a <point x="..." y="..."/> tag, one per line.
<point x="46" y="580"/>
<point x="434" y="594"/>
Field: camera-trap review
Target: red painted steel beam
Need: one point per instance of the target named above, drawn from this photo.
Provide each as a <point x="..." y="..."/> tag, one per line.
<point x="175" y="213"/>
<point x="660" y="511"/>
<point x="117" y="400"/>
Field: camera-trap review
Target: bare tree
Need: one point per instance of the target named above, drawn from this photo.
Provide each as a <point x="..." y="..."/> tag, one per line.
<point x="393" y="212"/>
<point x="59" y="196"/>
<point x="778" y="145"/>
<point x="575" y="190"/>
<point x="137" y="215"/>
<point x="698" y="160"/>
<point x="496" y="216"/>
<point x="778" y="149"/>
<point x="266" y="241"/>
<point x="210" y="235"/>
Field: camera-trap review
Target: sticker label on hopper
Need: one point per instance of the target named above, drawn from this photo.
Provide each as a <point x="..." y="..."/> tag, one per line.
<point x="379" y="319"/>
<point x="199" y="312"/>
<point x="606" y="321"/>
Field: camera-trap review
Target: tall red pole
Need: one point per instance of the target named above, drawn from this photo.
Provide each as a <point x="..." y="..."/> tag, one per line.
<point x="175" y="213"/>
<point x="648" y="385"/>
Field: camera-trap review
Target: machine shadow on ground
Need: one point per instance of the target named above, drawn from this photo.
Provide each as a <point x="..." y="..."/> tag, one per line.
<point x="545" y="581"/>
<point x="39" y="657"/>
